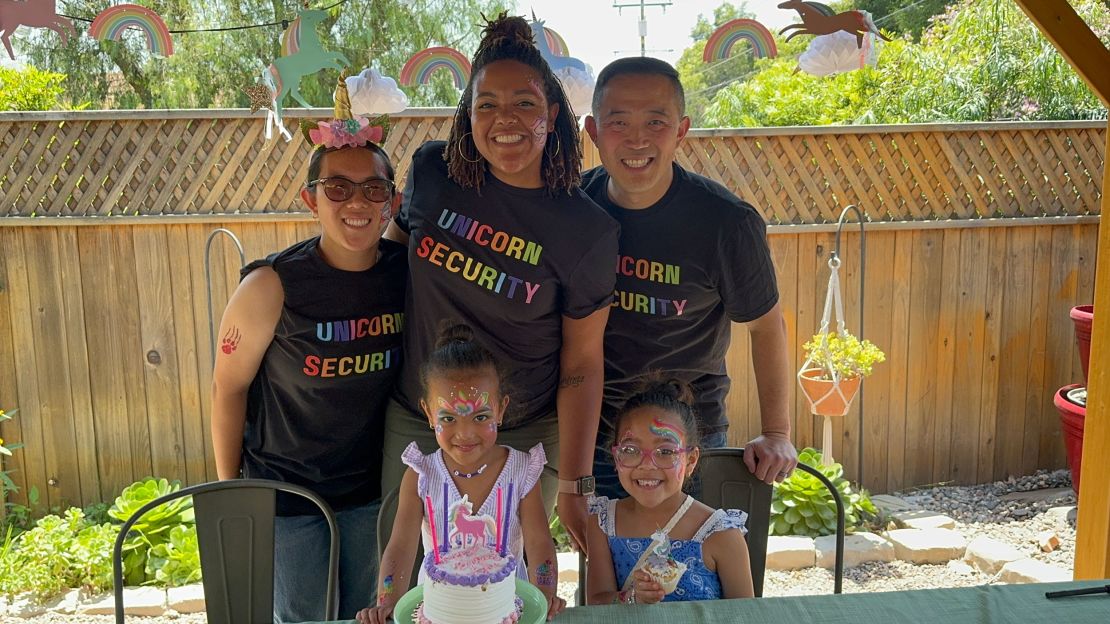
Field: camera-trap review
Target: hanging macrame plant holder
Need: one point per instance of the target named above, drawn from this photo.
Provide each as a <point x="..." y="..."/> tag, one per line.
<point x="827" y="392"/>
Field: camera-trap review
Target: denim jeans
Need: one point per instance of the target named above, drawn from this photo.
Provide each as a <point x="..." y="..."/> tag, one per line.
<point x="609" y="485"/>
<point x="301" y="564"/>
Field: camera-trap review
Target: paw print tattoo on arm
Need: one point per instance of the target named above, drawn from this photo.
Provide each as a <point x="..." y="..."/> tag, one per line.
<point x="230" y="341"/>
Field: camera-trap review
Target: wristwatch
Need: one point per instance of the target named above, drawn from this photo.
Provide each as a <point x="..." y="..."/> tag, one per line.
<point x="582" y="486"/>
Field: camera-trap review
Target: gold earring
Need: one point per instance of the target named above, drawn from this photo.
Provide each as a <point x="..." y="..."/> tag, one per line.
<point x="458" y="146"/>
<point x="558" y="146"/>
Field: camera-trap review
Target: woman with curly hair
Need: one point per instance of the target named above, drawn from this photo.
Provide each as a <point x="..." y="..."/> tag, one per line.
<point x="501" y="238"/>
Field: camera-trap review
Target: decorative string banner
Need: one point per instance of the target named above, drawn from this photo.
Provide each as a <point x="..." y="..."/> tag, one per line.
<point x="420" y="67"/>
<point x="111" y="22"/>
<point x="721" y="42"/>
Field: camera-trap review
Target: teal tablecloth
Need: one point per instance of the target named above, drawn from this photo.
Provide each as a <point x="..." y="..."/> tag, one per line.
<point x="988" y="604"/>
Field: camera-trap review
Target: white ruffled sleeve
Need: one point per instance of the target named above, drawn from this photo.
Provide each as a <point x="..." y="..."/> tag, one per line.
<point x="604" y="508"/>
<point x="533" y="468"/>
<point x="722" y="520"/>
<point x="414" y="458"/>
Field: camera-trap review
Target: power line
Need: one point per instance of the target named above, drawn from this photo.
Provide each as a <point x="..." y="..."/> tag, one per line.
<point x="283" y="23"/>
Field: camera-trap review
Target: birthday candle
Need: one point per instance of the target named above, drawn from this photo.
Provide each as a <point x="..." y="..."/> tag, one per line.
<point x="497" y="525"/>
<point x="508" y="514"/>
<point x="446" y="529"/>
<point x="432" y="524"/>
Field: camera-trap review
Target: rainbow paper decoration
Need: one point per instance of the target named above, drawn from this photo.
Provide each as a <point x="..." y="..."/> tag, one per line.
<point x="111" y="22"/>
<point x="555" y="42"/>
<point x="291" y="38"/>
<point x="419" y="68"/>
<point x="721" y="42"/>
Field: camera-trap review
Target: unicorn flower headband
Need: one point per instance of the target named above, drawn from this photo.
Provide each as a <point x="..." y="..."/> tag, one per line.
<point x="346" y="130"/>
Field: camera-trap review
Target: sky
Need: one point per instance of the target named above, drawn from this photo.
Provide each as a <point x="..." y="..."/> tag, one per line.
<point x="598" y="33"/>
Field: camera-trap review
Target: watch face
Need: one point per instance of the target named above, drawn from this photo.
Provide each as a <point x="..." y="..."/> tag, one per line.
<point x="586" y="485"/>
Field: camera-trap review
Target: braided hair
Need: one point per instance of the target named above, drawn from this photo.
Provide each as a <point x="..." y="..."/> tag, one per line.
<point x="510" y="39"/>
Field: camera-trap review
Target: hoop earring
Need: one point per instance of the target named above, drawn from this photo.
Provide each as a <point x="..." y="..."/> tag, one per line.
<point x="558" y="146"/>
<point x="459" y="148"/>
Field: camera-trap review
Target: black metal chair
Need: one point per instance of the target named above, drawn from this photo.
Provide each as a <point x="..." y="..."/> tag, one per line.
<point x="235" y="532"/>
<point x="726" y="482"/>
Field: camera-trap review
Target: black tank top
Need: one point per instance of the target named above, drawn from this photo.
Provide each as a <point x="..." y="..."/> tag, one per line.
<point x="316" y="408"/>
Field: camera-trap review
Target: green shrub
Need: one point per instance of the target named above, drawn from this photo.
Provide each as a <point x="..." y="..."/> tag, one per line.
<point x="60" y="552"/>
<point x="176" y="562"/>
<point x="29" y="89"/>
<point x="802" y="505"/>
<point x="153" y="528"/>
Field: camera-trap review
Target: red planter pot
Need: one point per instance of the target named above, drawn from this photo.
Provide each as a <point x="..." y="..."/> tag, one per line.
<point x="1071" y="421"/>
<point x="1083" y="316"/>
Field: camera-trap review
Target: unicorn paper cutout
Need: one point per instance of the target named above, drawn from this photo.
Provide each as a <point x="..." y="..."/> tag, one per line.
<point x="816" y="22"/>
<point x="304" y="55"/>
<point x="32" y="13"/>
<point x="556" y="62"/>
<point x="469" y="527"/>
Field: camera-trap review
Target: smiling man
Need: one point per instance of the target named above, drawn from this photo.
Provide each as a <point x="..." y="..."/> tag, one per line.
<point x="693" y="258"/>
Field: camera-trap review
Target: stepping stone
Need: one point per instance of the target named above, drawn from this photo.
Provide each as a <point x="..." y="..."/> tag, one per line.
<point x="989" y="555"/>
<point x="858" y="548"/>
<point x="142" y="601"/>
<point x="959" y="568"/>
<point x="922" y="519"/>
<point x="23" y="607"/>
<point x="887" y="504"/>
<point x="568" y="566"/>
<point x="187" y="599"/>
<point x="927" y="545"/>
<point x="64" y="603"/>
<point x="790" y="552"/>
<point x="1062" y="514"/>
<point x="1033" y="571"/>
<point x="1037" y="496"/>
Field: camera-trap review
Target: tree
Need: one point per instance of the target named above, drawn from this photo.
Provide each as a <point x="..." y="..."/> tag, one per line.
<point x="982" y="60"/>
<point x="209" y="69"/>
<point x="29" y="89"/>
<point x="702" y="80"/>
<point x="899" y="16"/>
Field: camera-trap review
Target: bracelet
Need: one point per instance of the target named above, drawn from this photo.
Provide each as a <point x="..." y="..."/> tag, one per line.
<point x="627" y="597"/>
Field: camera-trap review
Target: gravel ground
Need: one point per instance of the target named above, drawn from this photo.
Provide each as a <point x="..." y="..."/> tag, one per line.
<point x="977" y="510"/>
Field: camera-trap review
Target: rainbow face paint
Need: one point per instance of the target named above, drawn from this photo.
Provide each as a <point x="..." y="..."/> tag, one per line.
<point x="463" y="403"/>
<point x="667" y="431"/>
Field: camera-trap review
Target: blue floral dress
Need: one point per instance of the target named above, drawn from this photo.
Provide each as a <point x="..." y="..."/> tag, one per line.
<point x="698" y="582"/>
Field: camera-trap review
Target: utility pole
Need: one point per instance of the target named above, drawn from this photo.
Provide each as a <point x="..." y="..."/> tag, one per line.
<point x="643" y="18"/>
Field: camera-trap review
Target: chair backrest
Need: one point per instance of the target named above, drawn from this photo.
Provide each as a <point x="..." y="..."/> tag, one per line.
<point x="726" y="483"/>
<point x="235" y="532"/>
<point x="385" y="530"/>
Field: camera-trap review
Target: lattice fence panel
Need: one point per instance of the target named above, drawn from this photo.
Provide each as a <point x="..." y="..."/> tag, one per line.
<point x="908" y="173"/>
<point x="221" y="163"/>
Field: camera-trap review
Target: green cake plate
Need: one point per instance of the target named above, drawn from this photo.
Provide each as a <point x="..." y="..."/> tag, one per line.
<point x="535" y="605"/>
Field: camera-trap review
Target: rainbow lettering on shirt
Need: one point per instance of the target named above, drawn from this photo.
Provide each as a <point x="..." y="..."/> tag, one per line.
<point x="353" y="329"/>
<point x="476" y="271"/>
<point x="646" y="304"/>
<point x="485" y="236"/>
<point x="649" y="270"/>
<point x="345" y="366"/>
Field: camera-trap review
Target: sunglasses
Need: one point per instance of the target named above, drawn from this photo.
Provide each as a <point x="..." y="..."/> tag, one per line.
<point x="340" y="189"/>
<point x="664" y="457"/>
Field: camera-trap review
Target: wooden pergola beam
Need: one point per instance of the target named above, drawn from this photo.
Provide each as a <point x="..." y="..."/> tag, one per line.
<point x="1085" y="52"/>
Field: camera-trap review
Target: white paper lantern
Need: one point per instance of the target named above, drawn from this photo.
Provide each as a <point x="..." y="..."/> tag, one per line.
<point x="373" y="94"/>
<point x="837" y="53"/>
<point x="579" y="87"/>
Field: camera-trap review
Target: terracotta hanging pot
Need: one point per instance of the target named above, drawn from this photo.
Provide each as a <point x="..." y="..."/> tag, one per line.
<point x="826" y="397"/>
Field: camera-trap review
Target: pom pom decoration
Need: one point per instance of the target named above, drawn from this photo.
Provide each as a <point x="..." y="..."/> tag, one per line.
<point x="374" y="94"/>
<point x="837" y="53"/>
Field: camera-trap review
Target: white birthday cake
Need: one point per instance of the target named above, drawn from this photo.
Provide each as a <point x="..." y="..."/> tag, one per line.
<point x="471" y="584"/>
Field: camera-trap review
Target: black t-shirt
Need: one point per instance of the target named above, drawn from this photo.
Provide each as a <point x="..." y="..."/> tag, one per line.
<point x="688" y="265"/>
<point x="510" y="263"/>
<point x="316" y="407"/>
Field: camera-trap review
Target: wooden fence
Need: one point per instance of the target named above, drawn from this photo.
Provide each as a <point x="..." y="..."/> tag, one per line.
<point x="104" y="329"/>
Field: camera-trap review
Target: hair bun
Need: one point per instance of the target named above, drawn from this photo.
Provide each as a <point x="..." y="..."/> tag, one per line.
<point x="670" y="387"/>
<point x="450" y="333"/>
<point x="506" y="29"/>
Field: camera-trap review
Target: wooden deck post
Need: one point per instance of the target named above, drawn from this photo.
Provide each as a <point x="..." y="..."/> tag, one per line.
<point x="1085" y="52"/>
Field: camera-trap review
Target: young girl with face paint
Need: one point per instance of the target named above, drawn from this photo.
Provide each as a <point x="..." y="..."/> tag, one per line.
<point x="660" y="544"/>
<point x="464" y="405"/>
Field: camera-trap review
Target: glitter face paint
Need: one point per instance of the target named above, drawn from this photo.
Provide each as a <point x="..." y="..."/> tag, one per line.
<point x="464" y="403"/>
